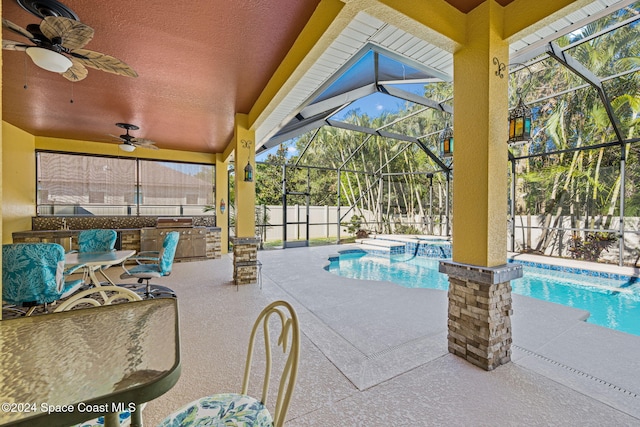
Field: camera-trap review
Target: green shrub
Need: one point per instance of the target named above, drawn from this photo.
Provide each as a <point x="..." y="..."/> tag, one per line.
<point x="590" y="248"/>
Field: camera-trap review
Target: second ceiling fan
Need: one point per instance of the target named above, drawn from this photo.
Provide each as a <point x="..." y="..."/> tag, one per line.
<point x="130" y="142"/>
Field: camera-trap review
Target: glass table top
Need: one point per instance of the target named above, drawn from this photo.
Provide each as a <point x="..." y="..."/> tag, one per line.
<point x="124" y="353"/>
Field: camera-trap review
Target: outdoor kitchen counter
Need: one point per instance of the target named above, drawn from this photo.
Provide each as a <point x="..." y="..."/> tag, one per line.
<point x="130" y="238"/>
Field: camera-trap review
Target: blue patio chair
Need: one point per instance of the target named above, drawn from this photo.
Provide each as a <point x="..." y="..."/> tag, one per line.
<point x="96" y="240"/>
<point x="154" y="264"/>
<point x="33" y="274"/>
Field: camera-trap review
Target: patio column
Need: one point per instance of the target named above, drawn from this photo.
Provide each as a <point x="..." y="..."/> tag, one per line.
<point x="245" y="243"/>
<point x="479" y="324"/>
<point x="244" y="140"/>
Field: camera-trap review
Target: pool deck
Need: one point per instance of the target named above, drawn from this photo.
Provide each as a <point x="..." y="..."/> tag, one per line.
<point x="375" y="353"/>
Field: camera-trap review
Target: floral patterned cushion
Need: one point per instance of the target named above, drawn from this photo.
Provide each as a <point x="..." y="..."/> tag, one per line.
<point x="221" y="410"/>
<point x="97" y="240"/>
<point x="125" y="420"/>
<point x="34" y="273"/>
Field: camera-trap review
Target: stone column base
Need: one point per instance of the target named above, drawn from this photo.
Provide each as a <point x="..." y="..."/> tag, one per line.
<point x="479" y="312"/>
<point x="245" y="257"/>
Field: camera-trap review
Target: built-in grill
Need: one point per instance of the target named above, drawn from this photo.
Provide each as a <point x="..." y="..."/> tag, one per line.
<point x="192" y="243"/>
<point x="173" y="222"/>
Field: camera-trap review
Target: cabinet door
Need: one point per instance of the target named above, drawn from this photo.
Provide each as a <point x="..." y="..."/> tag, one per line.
<point x="200" y="244"/>
<point x="185" y="247"/>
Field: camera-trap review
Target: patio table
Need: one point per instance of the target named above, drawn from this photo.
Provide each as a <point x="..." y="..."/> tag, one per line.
<point x="96" y="260"/>
<point x="69" y="367"/>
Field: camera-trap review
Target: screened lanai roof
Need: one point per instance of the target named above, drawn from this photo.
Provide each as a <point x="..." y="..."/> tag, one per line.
<point x="375" y="63"/>
<point x="375" y="78"/>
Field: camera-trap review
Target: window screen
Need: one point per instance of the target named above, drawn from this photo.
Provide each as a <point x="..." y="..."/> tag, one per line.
<point x="72" y="184"/>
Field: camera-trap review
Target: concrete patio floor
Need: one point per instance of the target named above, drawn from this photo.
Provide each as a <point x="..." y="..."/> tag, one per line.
<point x="375" y="353"/>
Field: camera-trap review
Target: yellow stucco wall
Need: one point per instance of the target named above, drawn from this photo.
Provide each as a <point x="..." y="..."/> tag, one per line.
<point x="18" y="180"/>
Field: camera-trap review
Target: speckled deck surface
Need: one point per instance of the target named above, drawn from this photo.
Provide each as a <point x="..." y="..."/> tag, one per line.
<point x="375" y="354"/>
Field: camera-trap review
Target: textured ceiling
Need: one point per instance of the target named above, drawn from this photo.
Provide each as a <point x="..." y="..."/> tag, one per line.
<point x="199" y="63"/>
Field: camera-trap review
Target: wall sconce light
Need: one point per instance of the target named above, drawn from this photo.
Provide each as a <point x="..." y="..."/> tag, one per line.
<point x="248" y="172"/>
<point x="446" y="141"/>
<point x="519" y="122"/>
<point x="223" y="206"/>
<point x="520" y="116"/>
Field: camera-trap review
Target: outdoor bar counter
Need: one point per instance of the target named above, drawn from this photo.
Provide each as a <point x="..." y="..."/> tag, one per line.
<point x="199" y="240"/>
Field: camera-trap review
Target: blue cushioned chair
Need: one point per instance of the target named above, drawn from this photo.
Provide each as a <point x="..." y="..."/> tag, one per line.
<point x="97" y="240"/>
<point x="231" y="409"/>
<point x="33" y="274"/>
<point x="154" y="264"/>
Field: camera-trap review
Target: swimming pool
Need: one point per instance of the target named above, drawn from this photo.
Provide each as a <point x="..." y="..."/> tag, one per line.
<point x="612" y="302"/>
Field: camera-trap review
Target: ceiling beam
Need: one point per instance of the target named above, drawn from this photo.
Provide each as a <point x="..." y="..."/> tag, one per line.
<point x="416" y="99"/>
<point x="521" y="19"/>
<point x="338" y="100"/>
<point x="541" y="44"/>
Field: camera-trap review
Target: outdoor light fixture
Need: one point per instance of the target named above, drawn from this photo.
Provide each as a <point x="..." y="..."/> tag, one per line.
<point x="223" y="206"/>
<point x="519" y="122"/>
<point x="49" y="59"/>
<point x="520" y="117"/>
<point x="248" y="172"/>
<point x="446" y="141"/>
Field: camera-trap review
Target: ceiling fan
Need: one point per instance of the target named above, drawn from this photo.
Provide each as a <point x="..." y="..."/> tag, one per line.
<point x="130" y="142"/>
<point x="58" y="47"/>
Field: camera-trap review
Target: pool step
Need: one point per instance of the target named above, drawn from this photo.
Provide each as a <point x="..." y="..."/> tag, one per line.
<point x="380" y="244"/>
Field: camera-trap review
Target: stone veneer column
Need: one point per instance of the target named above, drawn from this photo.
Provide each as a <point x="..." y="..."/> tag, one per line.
<point x="214" y="244"/>
<point x="245" y="257"/>
<point x="479" y="320"/>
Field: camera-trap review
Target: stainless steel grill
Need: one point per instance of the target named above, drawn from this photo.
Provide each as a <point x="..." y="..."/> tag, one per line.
<point x="172" y="222"/>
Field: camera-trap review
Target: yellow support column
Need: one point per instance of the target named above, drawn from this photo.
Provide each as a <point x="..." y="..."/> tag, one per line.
<point x="245" y="191"/>
<point x="245" y="244"/>
<point x="479" y="321"/>
<point x="480" y="132"/>
<point x="222" y="199"/>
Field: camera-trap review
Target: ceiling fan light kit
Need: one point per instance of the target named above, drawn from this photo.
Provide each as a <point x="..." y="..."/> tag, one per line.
<point x="58" y="46"/>
<point x="49" y="60"/>
<point x="129" y="142"/>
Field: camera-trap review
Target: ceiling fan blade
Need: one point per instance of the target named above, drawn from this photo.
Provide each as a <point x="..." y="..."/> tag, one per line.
<point x="143" y="141"/>
<point x="76" y="72"/>
<point x="11" y="45"/>
<point x="72" y="34"/>
<point x="16" y="28"/>
<point x="153" y="147"/>
<point x="103" y="62"/>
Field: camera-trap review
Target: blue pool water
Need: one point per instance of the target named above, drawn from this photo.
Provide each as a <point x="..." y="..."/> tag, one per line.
<point x="614" y="303"/>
